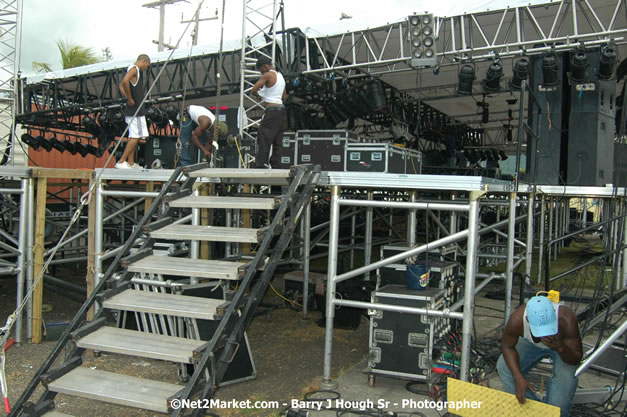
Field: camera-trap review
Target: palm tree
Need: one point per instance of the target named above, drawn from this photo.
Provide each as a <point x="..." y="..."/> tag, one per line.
<point x="72" y="56"/>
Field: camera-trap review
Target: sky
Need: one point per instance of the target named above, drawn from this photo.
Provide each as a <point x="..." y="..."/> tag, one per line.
<point x="127" y="28"/>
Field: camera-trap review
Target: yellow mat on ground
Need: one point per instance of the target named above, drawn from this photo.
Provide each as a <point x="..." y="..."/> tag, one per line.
<point x="470" y="400"/>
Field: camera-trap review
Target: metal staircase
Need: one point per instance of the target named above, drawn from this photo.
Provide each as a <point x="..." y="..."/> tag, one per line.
<point x="163" y="312"/>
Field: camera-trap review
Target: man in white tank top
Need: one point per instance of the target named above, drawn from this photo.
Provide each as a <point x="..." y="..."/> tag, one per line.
<point x="271" y="88"/>
<point x="537" y="330"/>
<point x="196" y="131"/>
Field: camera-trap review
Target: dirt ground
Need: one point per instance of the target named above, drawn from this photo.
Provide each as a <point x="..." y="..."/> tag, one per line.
<point x="287" y="352"/>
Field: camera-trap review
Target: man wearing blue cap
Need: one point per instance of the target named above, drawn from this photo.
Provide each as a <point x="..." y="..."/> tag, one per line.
<point x="540" y="329"/>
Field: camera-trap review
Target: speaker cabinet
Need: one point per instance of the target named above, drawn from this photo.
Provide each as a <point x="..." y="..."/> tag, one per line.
<point x="545" y="120"/>
<point x="591" y="128"/>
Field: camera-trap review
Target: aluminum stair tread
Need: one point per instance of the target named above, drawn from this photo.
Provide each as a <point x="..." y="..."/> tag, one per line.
<point x="146" y="345"/>
<point x="207" y="233"/>
<point x="168" y="304"/>
<point x="252" y="173"/>
<point x="115" y="388"/>
<point x="188" y="267"/>
<point x="252" y="203"/>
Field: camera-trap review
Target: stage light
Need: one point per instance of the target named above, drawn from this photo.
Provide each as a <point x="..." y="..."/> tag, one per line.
<point x="421" y="40"/>
<point x="377" y="95"/>
<point x="550" y="69"/>
<point x="171" y="111"/>
<point x="30" y="141"/>
<point x="521" y="72"/>
<point x="466" y="76"/>
<point x="58" y="145"/>
<point x="90" y="125"/>
<point x="485" y="110"/>
<point x="91" y="149"/>
<point x="492" y="81"/>
<point x="46" y="144"/>
<point x="503" y="155"/>
<point x="117" y="120"/>
<point x="578" y="66"/>
<point x="156" y="116"/>
<point x="69" y="146"/>
<point x="473" y="156"/>
<point x="152" y="113"/>
<point x="607" y="64"/>
<point x="81" y="149"/>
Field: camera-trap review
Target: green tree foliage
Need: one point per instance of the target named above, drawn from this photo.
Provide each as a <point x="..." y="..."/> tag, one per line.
<point x="72" y="56"/>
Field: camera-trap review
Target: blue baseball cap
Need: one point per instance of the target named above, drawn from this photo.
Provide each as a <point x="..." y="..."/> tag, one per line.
<point x="541" y="316"/>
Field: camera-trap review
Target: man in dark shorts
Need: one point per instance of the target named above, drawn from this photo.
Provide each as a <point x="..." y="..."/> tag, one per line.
<point x="271" y="88"/>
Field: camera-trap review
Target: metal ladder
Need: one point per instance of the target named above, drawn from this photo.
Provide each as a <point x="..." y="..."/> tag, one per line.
<point x="114" y="293"/>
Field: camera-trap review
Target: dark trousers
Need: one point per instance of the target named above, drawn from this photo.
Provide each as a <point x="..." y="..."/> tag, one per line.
<point x="270" y="135"/>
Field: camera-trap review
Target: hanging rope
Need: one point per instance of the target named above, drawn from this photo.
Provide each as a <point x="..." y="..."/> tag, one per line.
<point x="214" y="132"/>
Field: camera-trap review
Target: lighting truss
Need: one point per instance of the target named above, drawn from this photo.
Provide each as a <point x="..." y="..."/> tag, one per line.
<point x="476" y="36"/>
<point x="262" y="16"/>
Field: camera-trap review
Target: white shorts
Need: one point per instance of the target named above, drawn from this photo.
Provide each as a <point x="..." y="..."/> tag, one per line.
<point x="137" y="127"/>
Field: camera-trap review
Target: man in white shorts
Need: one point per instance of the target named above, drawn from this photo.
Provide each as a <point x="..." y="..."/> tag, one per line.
<point x="132" y="87"/>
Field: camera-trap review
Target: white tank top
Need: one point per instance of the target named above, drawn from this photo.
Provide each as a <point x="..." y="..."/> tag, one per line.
<point x="274" y="94"/>
<point x="527" y="331"/>
<point x="196" y="111"/>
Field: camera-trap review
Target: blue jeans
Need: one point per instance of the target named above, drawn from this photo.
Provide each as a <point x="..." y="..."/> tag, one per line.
<point x="189" y="152"/>
<point x="560" y="388"/>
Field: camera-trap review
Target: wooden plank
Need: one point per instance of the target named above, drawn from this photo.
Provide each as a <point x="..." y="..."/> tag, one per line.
<point x="150" y="187"/>
<point x="38" y="250"/>
<point x="62" y="173"/>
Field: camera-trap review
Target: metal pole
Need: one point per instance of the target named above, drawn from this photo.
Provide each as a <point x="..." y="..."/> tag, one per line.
<point x="624" y="244"/>
<point x="368" y="237"/>
<point x="229" y="223"/>
<point x="469" y="289"/>
<point x="30" y="235"/>
<point x="306" y="256"/>
<point x="274" y="30"/>
<point x="509" y="268"/>
<point x="98" y="233"/>
<point x="604" y="346"/>
<point x="334" y="230"/>
<point x="557" y="227"/>
<point x="161" y="25"/>
<point x="453" y="225"/>
<point x="550" y="229"/>
<point x="353" y="229"/>
<point x="21" y="259"/>
<point x="411" y="221"/>
<point x="541" y="240"/>
<point x="498" y="219"/>
<point x="529" y="253"/>
<point x="243" y="121"/>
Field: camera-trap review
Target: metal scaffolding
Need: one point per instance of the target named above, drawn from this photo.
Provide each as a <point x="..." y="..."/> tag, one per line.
<point x="512" y="31"/>
<point x="262" y="16"/>
<point x="10" y="32"/>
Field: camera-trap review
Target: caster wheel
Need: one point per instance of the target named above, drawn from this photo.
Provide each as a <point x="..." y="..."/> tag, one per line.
<point x="371" y="380"/>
